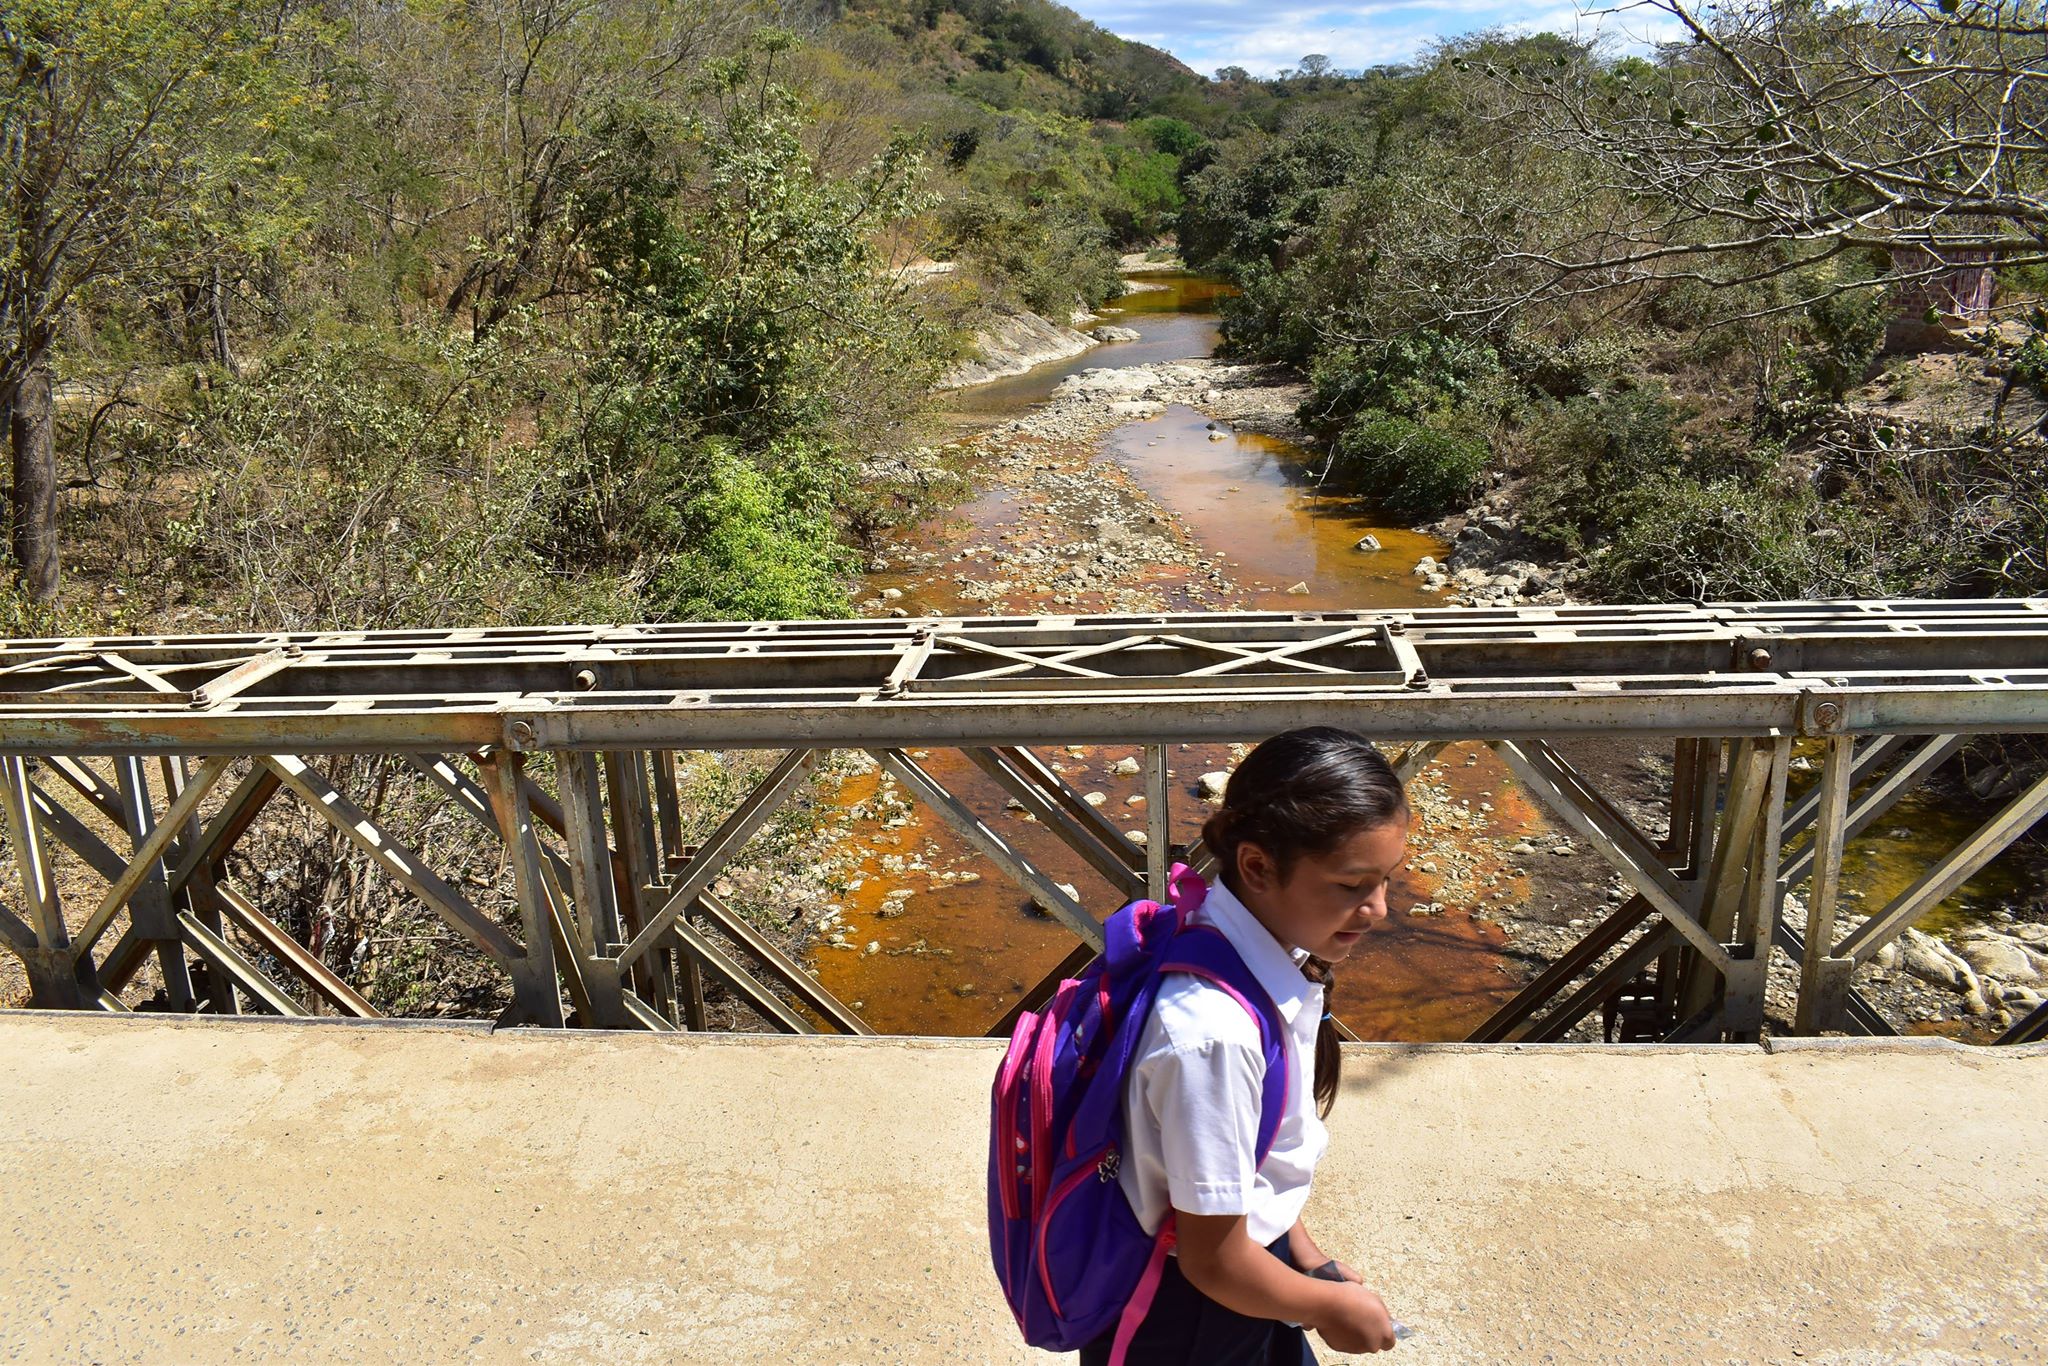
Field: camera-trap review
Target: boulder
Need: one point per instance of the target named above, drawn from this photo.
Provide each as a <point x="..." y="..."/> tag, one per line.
<point x="1115" y="334"/>
<point x="1126" y="767"/>
<point x="1993" y="955"/>
<point x="1994" y="782"/>
<point x="1932" y="962"/>
<point x="1368" y="544"/>
<point x="1212" y="786"/>
<point x="1299" y="590"/>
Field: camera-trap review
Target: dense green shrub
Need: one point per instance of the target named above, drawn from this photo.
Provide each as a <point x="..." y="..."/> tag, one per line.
<point x="1148" y="193"/>
<point x="1046" y="258"/>
<point x="1734" y="540"/>
<point x="1176" y="137"/>
<point x="750" y="339"/>
<point x="1412" y="470"/>
<point x="1844" y="331"/>
<point x="1414" y="374"/>
<point x="751" y="547"/>
<point x="1590" y="460"/>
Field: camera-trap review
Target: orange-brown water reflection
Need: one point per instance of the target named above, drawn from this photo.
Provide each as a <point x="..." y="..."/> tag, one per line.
<point x="954" y="955"/>
<point x="1253" y="499"/>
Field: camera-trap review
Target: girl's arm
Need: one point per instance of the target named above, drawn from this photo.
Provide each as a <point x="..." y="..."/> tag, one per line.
<point x="1308" y="1256"/>
<point x="1219" y="1259"/>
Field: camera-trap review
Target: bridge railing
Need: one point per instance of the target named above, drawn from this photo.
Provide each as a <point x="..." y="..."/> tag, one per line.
<point x="130" y="769"/>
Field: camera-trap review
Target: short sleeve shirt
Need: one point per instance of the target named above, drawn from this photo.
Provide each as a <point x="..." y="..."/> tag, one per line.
<point x="1192" y="1098"/>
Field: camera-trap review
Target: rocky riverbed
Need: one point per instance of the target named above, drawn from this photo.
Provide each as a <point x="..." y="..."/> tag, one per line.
<point x="1060" y="527"/>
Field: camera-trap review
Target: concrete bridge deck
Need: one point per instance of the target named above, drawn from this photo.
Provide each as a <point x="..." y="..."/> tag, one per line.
<point x="260" y="1191"/>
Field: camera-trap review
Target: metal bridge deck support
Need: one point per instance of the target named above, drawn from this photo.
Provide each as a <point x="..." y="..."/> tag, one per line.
<point x="135" y="766"/>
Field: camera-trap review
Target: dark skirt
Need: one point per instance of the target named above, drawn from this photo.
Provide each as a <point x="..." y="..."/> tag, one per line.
<point x="1184" y="1327"/>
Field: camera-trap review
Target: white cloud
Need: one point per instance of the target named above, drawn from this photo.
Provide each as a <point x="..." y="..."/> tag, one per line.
<point x="1207" y="34"/>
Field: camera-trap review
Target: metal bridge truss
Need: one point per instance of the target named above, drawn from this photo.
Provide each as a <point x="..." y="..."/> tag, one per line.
<point x="138" y="763"/>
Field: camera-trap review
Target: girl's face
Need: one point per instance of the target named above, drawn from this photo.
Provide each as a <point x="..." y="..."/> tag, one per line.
<point x="1326" y="903"/>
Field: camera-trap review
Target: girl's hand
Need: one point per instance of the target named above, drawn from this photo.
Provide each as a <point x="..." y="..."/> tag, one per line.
<point x="1361" y="1322"/>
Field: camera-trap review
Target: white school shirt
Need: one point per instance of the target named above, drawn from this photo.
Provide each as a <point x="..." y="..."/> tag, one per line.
<point x="1191" y="1100"/>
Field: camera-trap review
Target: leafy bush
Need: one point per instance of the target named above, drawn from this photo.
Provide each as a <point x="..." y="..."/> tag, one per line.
<point x="1845" y="331"/>
<point x="1736" y="540"/>
<point x="1145" y="182"/>
<point x="753" y="549"/>
<point x="1043" y="257"/>
<point x="1414" y="374"/>
<point x="751" y="338"/>
<point x="1412" y="470"/>
<point x="1175" y="137"/>
<point x="1591" y="458"/>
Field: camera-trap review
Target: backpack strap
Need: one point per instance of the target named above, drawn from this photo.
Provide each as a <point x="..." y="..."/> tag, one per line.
<point x="1203" y="951"/>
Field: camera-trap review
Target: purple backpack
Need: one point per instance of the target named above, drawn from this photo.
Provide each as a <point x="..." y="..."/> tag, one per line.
<point x="1071" y="1254"/>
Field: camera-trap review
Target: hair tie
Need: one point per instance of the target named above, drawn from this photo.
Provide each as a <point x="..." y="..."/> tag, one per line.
<point x="1328" y="1016"/>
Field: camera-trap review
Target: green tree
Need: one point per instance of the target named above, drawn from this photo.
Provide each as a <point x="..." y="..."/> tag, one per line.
<point x="140" y="140"/>
<point x="751" y="342"/>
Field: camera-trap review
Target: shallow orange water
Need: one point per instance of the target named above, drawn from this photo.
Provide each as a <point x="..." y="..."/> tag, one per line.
<point x="1254" y="499"/>
<point x="960" y="954"/>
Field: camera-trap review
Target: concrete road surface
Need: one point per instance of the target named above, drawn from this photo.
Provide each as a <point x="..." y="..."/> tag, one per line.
<point x="253" y="1191"/>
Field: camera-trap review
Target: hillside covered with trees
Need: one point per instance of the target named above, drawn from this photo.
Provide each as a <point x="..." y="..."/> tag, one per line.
<point x="329" y="313"/>
<point x="337" y="313"/>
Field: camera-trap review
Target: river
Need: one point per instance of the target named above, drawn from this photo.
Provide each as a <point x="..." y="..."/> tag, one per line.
<point x="924" y="936"/>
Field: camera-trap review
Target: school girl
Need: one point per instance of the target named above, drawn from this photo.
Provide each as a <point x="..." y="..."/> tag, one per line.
<point x="1312" y="827"/>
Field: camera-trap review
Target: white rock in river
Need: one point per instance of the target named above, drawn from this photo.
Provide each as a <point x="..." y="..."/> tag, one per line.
<point x="1300" y="590"/>
<point x="1213" y="784"/>
<point x="1368" y="543"/>
<point x="891" y="594"/>
<point x="1095" y="798"/>
<point x="1216" y="436"/>
<point x="1115" y="334"/>
<point x="1993" y="955"/>
<point x="1125" y="767"/>
<point x="1931" y="961"/>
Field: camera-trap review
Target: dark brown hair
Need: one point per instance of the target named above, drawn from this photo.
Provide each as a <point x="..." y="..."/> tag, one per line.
<point x="1302" y="793"/>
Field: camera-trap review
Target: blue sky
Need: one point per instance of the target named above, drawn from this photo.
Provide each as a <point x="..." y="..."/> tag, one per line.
<point x="1265" y="37"/>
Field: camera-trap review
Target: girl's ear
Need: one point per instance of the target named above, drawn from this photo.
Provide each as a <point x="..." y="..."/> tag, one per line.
<point x="1256" y="869"/>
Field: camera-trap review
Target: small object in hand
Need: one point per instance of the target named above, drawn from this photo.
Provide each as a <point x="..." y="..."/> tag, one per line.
<point x="1329" y="1271"/>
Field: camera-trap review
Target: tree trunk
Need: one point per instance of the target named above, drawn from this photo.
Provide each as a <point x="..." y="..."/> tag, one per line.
<point x="217" y="310"/>
<point x="32" y="430"/>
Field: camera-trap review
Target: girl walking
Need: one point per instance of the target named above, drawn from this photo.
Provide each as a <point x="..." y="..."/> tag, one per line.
<point x="1312" y="827"/>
